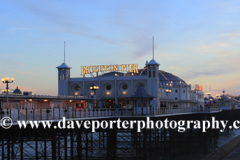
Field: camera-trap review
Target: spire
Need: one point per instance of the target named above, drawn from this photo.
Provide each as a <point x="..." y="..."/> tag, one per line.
<point x="64" y="51"/>
<point x="152" y="62"/>
<point x="64" y="65"/>
<point x="153" y="46"/>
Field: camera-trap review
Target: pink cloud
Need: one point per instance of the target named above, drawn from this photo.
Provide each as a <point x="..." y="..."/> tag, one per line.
<point x="26" y="72"/>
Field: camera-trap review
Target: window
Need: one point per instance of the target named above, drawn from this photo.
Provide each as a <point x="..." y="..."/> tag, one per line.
<point x="59" y="76"/>
<point x="77" y="88"/>
<point x="149" y="74"/>
<point x="176" y="98"/>
<point x="153" y="73"/>
<point x="176" y="91"/>
<point x="124" y="87"/>
<point x="108" y="87"/>
<point x="64" y="76"/>
<point x="183" y="91"/>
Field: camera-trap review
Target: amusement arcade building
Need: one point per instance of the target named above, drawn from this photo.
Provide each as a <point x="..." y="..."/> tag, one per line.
<point x="115" y="83"/>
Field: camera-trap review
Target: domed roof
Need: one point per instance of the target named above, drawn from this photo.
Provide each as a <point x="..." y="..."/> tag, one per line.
<point x="165" y="78"/>
<point x="63" y="65"/>
<point x="17" y="91"/>
<point x="152" y="62"/>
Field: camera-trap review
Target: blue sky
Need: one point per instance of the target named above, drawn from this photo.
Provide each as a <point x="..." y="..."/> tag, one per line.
<point x="199" y="41"/>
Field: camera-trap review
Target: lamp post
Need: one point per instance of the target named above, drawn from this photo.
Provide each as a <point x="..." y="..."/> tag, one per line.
<point x="94" y="88"/>
<point x="217" y="99"/>
<point x="124" y="94"/>
<point x="209" y="97"/>
<point x="6" y="80"/>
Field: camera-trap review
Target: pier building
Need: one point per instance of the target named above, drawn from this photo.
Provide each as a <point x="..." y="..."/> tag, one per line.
<point x="28" y="101"/>
<point x="116" y="83"/>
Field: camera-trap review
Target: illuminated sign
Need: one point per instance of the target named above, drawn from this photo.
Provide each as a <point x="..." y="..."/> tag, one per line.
<point x="133" y="68"/>
<point x="199" y="87"/>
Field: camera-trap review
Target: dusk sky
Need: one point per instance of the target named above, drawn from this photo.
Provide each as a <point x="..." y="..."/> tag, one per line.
<point x="198" y="41"/>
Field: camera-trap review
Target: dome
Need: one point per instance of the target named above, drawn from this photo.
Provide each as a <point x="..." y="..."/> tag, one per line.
<point x="152" y="62"/>
<point x="165" y="78"/>
<point x="64" y="65"/>
<point x="17" y="91"/>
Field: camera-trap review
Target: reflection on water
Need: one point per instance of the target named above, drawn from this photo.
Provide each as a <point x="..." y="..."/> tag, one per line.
<point x="226" y="137"/>
<point x="223" y="138"/>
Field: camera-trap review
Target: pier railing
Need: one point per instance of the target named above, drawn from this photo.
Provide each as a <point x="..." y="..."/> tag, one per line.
<point x="12" y="95"/>
<point x="71" y="113"/>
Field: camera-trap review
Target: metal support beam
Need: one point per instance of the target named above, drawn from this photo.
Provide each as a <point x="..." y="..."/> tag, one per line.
<point x="3" y="149"/>
<point x="86" y="145"/>
<point x="65" y="144"/>
<point x="54" y="148"/>
<point x="79" y="145"/>
<point x="8" y="148"/>
<point x="36" y="150"/>
<point x="45" y="148"/>
<point x="71" y="145"/>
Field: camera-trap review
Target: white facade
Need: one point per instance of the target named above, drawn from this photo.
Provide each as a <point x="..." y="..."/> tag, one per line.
<point x="117" y="85"/>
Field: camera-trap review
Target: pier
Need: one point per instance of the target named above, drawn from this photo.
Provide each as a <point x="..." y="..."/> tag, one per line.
<point x="81" y="143"/>
<point x="106" y="144"/>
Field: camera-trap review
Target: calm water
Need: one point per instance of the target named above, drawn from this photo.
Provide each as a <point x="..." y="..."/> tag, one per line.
<point x="226" y="137"/>
<point x="223" y="139"/>
<point x="125" y="145"/>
